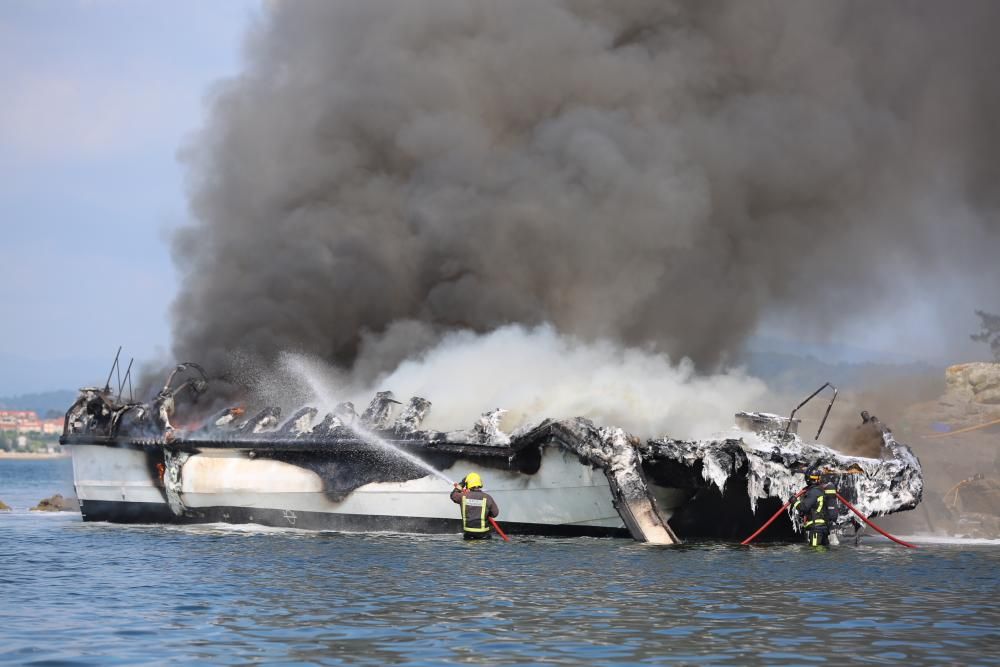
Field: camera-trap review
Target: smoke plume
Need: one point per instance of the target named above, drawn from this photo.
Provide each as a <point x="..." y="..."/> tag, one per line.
<point x="656" y="174"/>
<point x="530" y="373"/>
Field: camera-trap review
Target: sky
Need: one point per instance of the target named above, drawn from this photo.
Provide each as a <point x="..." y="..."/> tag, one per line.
<point x="100" y="95"/>
<point x="100" y="98"/>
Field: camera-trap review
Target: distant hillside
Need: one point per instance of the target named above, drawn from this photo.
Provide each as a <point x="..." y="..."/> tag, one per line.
<point x="57" y="401"/>
<point x="828" y="353"/>
<point x="794" y="373"/>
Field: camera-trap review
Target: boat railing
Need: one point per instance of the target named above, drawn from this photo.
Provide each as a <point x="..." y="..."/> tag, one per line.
<point x="809" y="398"/>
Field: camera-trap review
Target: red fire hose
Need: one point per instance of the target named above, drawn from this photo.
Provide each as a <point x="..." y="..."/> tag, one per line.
<point x="865" y="519"/>
<point x="497" y="526"/>
<point x="771" y="520"/>
<point x="843" y="500"/>
<point x="492" y="520"/>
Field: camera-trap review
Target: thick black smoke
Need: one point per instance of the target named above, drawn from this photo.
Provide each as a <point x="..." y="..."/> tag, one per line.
<point x="660" y="174"/>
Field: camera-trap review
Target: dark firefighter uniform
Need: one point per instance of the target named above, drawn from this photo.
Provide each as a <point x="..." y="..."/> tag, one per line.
<point x="477" y="507"/>
<point x="818" y="509"/>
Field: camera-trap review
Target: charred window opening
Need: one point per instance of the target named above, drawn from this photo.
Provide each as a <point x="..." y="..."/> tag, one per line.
<point x="726" y="515"/>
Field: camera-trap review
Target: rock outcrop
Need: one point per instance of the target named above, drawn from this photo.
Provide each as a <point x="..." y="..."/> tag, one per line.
<point x="977" y="382"/>
<point x="57" y="503"/>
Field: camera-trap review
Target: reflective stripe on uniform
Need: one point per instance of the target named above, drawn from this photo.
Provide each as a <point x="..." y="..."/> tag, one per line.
<point x="481" y="503"/>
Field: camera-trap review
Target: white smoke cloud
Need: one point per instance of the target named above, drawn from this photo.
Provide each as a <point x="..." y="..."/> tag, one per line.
<point x="536" y="373"/>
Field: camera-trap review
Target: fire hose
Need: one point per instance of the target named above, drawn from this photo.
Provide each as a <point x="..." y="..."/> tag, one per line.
<point x="493" y="521"/>
<point x="499" y="532"/>
<point x="865" y="519"/>
<point x="771" y="520"/>
<point x="846" y="503"/>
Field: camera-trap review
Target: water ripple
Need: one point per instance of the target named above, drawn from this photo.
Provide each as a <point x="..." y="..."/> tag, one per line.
<point x="93" y="594"/>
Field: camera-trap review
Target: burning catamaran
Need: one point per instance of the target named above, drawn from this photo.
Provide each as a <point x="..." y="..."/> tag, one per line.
<point x="371" y="472"/>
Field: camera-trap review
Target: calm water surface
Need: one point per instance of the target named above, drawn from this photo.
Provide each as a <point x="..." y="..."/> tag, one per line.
<point x="100" y="594"/>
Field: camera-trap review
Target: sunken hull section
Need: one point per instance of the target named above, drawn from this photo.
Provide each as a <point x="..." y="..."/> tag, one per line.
<point x="370" y="473"/>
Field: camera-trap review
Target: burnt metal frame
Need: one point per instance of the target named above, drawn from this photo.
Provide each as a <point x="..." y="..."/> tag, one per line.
<point x="809" y="398"/>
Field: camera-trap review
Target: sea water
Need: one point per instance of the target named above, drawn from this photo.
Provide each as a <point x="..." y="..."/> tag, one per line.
<point x="79" y="593"/>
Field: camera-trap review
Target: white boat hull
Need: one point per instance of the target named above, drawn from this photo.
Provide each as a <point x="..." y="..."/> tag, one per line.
<point x="564" y="497"/>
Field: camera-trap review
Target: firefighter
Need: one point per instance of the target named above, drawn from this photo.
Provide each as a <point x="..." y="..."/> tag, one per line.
<point x="477" y="507"/>
<point x="817" y="508"/>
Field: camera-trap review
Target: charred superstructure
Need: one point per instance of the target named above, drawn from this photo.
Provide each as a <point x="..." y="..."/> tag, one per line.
<point x="349" y="472"/>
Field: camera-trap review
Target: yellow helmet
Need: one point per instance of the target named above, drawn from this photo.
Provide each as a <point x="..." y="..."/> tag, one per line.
<point x="473" y="481"/>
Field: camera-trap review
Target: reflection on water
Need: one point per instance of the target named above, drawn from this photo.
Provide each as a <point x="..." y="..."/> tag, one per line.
<point x="107" y="594"/>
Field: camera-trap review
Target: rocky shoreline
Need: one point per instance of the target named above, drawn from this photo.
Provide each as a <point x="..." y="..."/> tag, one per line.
<point x="56" y="503"/>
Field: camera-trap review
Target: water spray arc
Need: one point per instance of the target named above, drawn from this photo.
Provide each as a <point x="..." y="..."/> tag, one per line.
<point x="373" y="439"/>
<point x="323" y="394"/>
